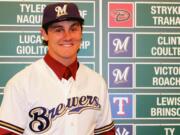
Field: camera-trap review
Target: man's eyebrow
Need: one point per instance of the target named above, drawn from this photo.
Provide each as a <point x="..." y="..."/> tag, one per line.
<point x="61" y="26"/>
<point x="56" y="26"/>
<point x="75" y="24"/>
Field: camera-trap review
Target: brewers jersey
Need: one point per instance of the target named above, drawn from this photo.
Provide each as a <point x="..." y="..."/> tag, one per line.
<point x="37" y="102"/>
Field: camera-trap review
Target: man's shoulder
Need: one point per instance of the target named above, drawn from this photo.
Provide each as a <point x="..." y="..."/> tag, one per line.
<point x="86" y="71"/>
<point x="84" y="68"/>
<point x="27" y="71"/>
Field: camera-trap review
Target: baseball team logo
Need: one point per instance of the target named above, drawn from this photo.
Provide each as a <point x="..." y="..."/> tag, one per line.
<point x="120" y="45"/>
<point x="61" y="11"/>
<point x="42" y="117"/>
<point x="120" y="75"/>
<point x="124" y="129"/>
<point x="122" y="105"/>
<point x="120" y="14"/>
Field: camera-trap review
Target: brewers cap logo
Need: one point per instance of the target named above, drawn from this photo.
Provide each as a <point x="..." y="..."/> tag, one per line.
<point x="61" y="11"/>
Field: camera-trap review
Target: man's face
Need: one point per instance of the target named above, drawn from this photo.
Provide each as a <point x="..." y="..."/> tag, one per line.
<point x="64" y="39"/>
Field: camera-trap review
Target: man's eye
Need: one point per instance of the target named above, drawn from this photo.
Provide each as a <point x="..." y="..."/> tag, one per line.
<point x="58" y="30"/>
<point x="74" y="29"/>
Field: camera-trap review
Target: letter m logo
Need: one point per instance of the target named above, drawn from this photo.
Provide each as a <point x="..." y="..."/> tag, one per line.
<point x="120" y="44"/>
<point x="61" y="11"/>
<point x="120" y="75"/>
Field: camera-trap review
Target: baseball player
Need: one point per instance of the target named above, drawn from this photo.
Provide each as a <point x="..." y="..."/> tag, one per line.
<point x="57" y="95"/>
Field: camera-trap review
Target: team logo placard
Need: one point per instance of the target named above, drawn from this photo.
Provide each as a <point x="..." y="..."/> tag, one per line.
<point x="121" y="105"/>
<point x="120" y="75"/>
<point x="120" y="14"/>
<point x="120" y="45"/>
<point x="124" y="129"/>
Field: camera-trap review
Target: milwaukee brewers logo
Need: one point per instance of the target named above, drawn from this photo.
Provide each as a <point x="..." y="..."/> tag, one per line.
<point x="42" y="117"/>
<point x="121" y="46"/>
<point x="61" y="11"/>
<point x="121" y="77"/>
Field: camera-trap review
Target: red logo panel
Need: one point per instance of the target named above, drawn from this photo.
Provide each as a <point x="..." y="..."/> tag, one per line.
<point x="120" y="15"/>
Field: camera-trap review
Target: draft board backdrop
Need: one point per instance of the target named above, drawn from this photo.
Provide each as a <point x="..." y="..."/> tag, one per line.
<point x="134" y="44"/>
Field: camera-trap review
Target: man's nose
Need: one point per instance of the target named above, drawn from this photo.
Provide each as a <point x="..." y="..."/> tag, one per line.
<point x="67" y="35"/>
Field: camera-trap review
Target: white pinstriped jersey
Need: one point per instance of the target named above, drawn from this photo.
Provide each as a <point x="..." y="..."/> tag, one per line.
<point x="37" y="102"/>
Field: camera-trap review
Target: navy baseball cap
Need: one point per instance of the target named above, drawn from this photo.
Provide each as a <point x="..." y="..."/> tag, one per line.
<point x="60" y="12"/>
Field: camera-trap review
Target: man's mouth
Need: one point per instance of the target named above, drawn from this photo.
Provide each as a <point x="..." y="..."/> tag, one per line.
<point x="66" y="44"/>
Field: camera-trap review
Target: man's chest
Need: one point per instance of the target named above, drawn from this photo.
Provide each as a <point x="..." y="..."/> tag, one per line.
<point x="61" y="104"/>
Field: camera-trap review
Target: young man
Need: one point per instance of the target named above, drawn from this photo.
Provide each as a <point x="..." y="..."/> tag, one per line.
<point x="57" y="95"/>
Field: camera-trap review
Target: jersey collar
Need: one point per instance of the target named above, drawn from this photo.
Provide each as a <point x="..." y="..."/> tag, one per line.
<point x="59" y="69"/>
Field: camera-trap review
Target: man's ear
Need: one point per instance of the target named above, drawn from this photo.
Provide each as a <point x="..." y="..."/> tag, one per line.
<point x="43" y="34"/>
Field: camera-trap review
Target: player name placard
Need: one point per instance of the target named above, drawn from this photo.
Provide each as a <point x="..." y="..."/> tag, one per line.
<point x="162" y="75"/>
<point x="148" y="129"/>
<point x="156" y="14"/>
<point x="158" y="129"/>
<point x="88" y="46"/>
<point x="26" y="13"/>
<point x="158" y="106"/>
<point x="21" y="44"/>
<point x="158" y="45"/>
<point x="29" y="44"/>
